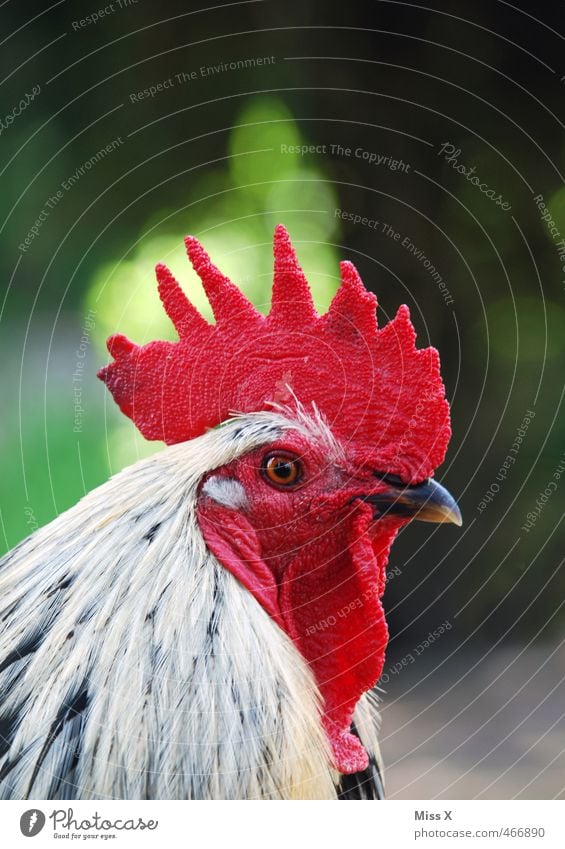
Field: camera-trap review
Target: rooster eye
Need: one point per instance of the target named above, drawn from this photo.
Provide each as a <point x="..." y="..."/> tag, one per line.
<point x="282" y="470"/>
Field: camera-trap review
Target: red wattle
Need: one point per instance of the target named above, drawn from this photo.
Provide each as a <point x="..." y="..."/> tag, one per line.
<point x="334" y="615"/>
<point x="332" y="610"/>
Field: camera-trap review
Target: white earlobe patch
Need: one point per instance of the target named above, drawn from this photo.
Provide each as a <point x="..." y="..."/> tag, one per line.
<point x="225" y="491"/>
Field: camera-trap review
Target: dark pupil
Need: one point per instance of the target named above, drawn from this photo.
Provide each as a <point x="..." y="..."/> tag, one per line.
<point x="283" y="470"/>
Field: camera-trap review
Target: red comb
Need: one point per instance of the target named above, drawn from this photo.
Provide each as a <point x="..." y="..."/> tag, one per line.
<point x="372" y="386"/>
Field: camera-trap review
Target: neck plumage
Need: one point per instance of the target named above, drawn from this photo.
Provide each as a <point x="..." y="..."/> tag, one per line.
<point x="135" y="666"/>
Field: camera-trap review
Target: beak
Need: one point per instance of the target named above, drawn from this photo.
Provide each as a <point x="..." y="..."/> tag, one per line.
<point x="428" y="502"/>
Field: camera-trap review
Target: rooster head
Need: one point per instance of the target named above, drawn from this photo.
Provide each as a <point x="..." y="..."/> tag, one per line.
<point x="337" y="427"/>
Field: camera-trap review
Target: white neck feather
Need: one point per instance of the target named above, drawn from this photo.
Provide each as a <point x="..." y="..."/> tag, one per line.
<point x="154" y="673"/>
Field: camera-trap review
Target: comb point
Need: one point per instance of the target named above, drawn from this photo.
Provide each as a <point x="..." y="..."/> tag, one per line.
<point x="402" y="327"/>
<point x="353" y="307"/>
<point x="227" y="302"/>
<point x="185" y="317"/>
<point x="119" y="346"/>
<point x="291" y="299"/>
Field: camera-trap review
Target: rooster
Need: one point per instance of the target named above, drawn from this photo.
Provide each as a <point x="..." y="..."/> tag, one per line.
<point x="208" y="623"/>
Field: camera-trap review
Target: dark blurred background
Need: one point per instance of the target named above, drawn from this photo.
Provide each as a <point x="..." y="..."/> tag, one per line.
<point x="366" y="129"/>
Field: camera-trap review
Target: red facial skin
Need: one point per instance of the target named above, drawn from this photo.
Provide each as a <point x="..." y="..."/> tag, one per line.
<point x="314" y="557"/>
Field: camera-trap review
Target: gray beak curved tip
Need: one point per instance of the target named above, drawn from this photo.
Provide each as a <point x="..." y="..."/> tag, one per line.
<point x="428" y="502"/>
<point x="434" y="503"/>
